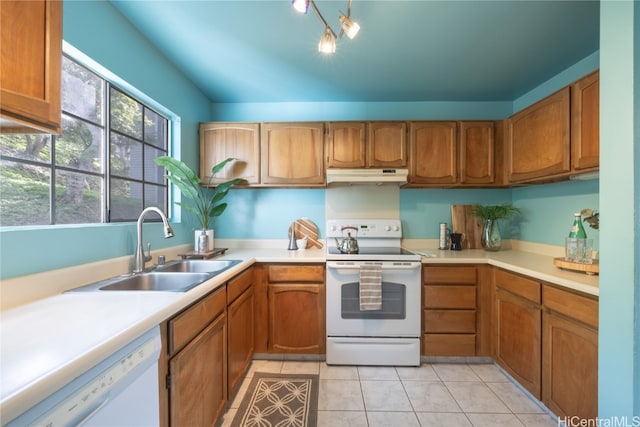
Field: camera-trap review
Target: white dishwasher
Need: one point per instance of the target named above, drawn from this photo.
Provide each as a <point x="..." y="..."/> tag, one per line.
<point x="122" y="390"/>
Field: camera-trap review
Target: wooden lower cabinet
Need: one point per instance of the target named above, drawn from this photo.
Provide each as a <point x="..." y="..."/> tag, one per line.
<point x="570" y="354"/>
<point x="240" y="309"/>
<point x="517" y="329"/>
<point x="290" y="308"/>
<point x="449" y="315"/>
<point x="198" y="378"/>
<point x="296" y="318"/>
<point x="197" y="362"/>
<point x="208" y="347"/>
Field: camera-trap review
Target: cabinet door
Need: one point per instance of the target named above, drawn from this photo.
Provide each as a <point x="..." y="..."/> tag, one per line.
<point x="387" y="144"/>
<point x="570" y="367"/>
<point x="219" y="141"/>
<point x="198" y="390"/>
<point x="433" y="153"/>
<point x="346" y="145"/>
<point x="293" y="154"/>
<point x="585" y="123"/>
<point x="537" y="143"/>
<point x="296" y="318"/>
<point x="517" y="329"/>
<point x="476" y="153"/>
<point x="240" y="321"/>
<point x="30" y="65"/>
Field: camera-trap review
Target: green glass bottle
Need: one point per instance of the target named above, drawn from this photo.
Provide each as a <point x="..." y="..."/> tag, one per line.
<point x="577" y="230"/>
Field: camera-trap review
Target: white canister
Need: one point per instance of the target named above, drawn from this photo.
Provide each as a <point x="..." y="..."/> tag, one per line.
<point x="444" y="236"/>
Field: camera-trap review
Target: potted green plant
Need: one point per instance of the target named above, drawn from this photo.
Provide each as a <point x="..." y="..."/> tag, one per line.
<point x="490" y="215"/>
<point x="206" y="203"/>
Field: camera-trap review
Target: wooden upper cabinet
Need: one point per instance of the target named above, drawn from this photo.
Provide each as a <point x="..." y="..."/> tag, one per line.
<point x="293" y="154"/>
<point x="219" y="141"/>
<point x="387" y="144"/>
<point x="30" y="66"/>
<point x="433" y="153"/>
<point x="537" y="139"/>
<point x="477" y="150"/>
<point x="585" y="123"/>
<point x="346" y="145"/>
<point x="366" y="144"/>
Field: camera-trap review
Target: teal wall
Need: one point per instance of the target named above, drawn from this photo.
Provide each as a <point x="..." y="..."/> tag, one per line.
<point x="99" y="31"/>
<point x="619" y="376"/>
<point x="96" y="29"/>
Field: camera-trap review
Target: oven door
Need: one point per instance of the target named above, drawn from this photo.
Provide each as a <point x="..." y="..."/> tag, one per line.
<point x="401" y="298"/>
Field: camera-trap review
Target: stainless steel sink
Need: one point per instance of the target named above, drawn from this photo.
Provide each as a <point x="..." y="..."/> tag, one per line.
<point x="172" y="282"/>
<point x="197" y="266"/>
<point x="166" y="282"/>
<point x="175" y="276"/>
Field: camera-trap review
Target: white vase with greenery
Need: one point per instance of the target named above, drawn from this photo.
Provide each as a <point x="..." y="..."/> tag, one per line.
<point x="206" y="201"/>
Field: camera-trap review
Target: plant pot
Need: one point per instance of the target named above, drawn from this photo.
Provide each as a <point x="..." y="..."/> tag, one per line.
<point x="491" y="239"/>
<point x="196" y="235"/>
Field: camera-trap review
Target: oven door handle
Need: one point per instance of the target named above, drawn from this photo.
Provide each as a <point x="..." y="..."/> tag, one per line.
<point x="385" y="266"/>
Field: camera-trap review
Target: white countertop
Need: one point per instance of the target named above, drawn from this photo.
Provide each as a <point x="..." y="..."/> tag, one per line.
<point x="530" y="264"/>
<point x="46" y="343"/>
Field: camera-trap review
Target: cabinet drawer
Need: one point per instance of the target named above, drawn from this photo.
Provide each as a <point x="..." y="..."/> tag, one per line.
<point x="237" y="285"/>
<point x="449" y="296"/>
<point x="578" y="307"/>
<point x="518" y="285"/>
<point x="451" y="321"/>
<point x="190" y="322"/>
<point x="449" y="345"/>
<point x="296" y="273"/>
<point x="449" y="275"/>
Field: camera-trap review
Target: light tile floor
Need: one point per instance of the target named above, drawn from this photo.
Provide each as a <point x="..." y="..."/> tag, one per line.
<point x="438" y="395"/>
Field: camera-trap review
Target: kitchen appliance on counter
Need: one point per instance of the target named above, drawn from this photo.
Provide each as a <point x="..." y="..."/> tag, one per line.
<point x="356" y="334"/>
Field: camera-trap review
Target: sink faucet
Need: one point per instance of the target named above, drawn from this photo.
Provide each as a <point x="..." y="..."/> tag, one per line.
<point x="141" y="257"/>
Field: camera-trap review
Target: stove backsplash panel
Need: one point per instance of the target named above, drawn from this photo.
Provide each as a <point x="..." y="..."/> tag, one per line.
<point x="363" y="201"/>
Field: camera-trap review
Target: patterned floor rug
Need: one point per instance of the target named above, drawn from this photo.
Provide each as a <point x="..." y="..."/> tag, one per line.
<point x="283" y="400"/>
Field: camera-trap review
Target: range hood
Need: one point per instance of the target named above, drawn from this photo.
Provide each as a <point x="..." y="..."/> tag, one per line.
<point x="367" y="176"/>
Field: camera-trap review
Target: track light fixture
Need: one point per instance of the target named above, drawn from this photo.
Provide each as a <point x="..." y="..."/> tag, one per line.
<point x="327" y="42"/>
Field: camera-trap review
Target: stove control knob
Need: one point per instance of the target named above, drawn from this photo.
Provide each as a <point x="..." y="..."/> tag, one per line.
<point x="387" y="228"/>
<point x="396" y="228"/>
<point x="333" y="228"/>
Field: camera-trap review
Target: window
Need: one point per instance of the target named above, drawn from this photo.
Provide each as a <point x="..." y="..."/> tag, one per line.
<point x="100" y="169"/>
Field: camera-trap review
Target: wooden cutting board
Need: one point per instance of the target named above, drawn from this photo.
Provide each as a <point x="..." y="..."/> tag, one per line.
<point x="470" y="226"/>
<point x="304" y="226"/>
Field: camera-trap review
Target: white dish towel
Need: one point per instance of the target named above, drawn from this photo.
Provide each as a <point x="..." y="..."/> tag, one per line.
<point x="370" y="286"/>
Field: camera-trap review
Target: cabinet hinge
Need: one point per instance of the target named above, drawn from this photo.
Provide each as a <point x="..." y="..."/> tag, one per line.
<point x="167" y="382"/>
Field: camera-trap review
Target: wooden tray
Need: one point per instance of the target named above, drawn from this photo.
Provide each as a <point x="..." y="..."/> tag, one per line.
<point x="203" y="255"/>
<point x="590" y="269"/>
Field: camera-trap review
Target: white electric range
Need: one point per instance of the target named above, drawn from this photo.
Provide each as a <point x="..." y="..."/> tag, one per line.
<point x="391" y="335"/>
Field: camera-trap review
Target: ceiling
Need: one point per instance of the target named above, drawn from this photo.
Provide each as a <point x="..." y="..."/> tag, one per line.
<point x="264" y="51"/>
